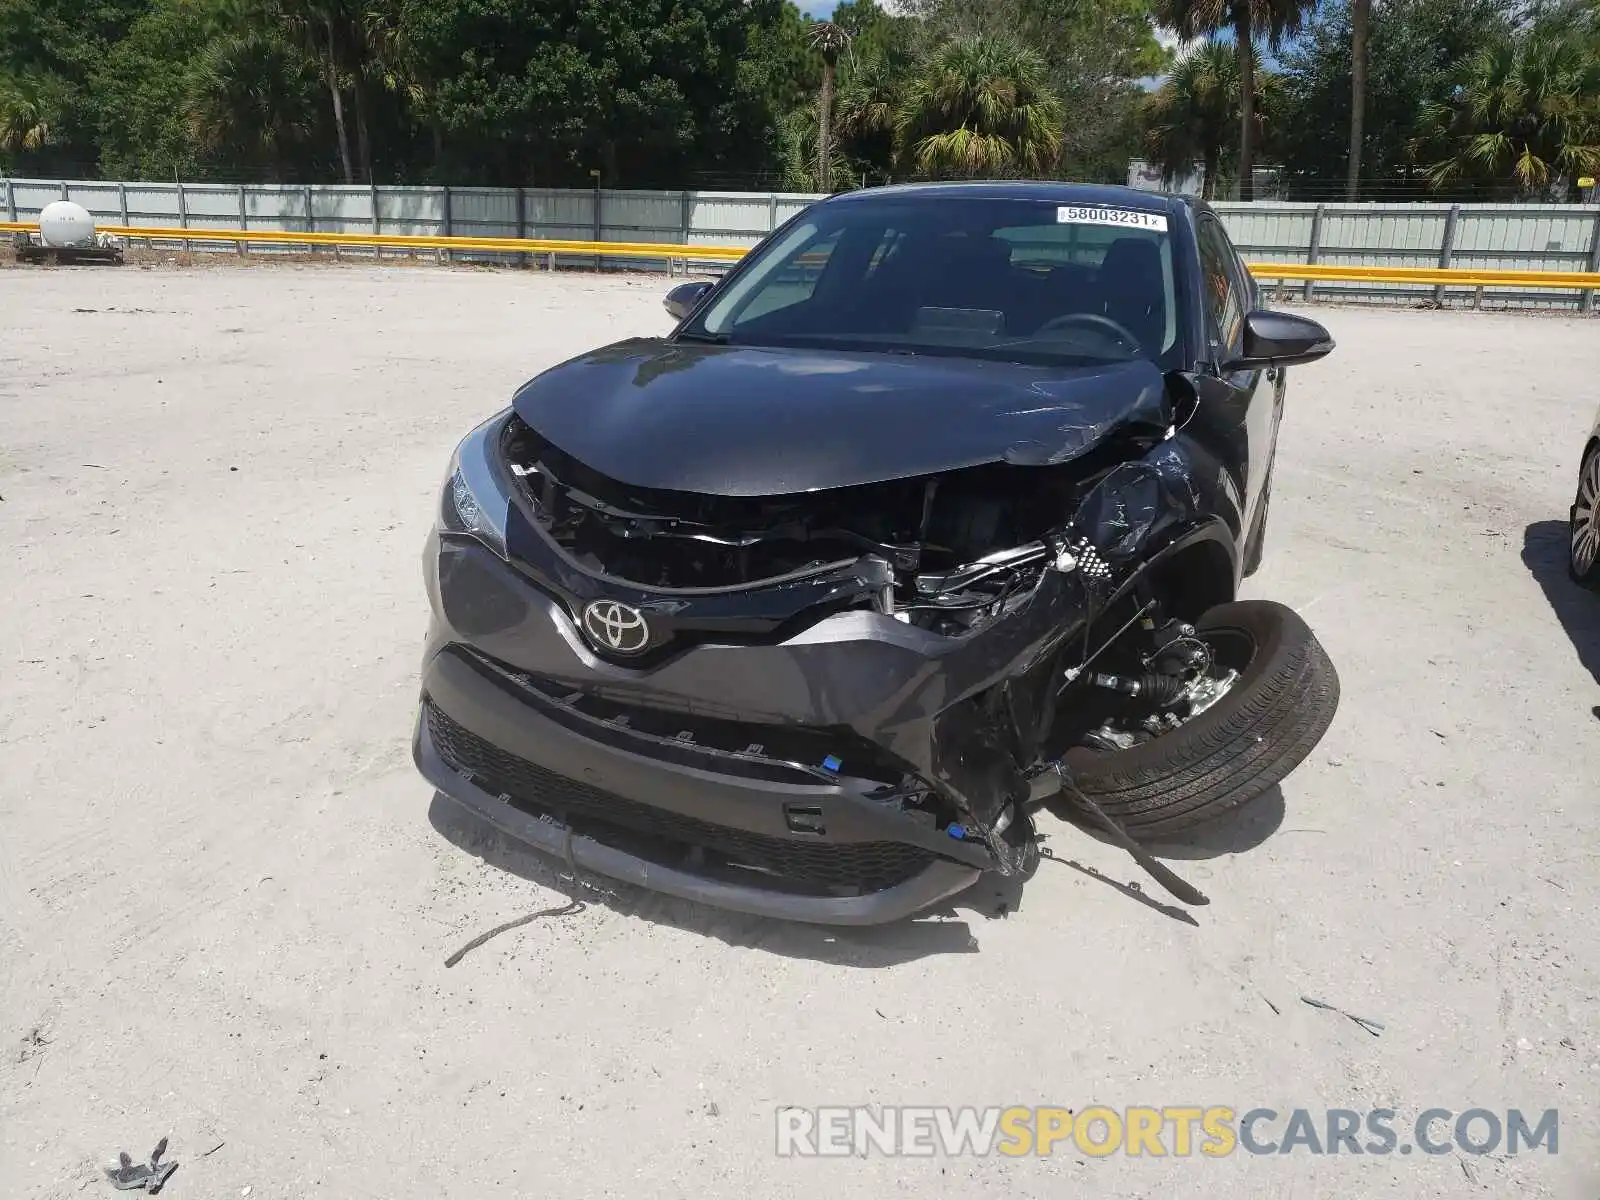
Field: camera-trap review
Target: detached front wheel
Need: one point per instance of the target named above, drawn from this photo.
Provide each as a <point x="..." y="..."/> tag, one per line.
<point x="1274" y="697"/>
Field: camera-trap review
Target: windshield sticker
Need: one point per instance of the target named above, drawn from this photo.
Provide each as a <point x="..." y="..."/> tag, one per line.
<point x="1095" y="215"/>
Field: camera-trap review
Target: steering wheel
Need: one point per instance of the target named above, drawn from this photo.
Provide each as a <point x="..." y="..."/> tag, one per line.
<point x="1117" y="330"/>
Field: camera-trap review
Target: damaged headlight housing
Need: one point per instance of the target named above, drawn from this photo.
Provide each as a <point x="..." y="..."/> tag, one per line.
<point x="473" y="501"/>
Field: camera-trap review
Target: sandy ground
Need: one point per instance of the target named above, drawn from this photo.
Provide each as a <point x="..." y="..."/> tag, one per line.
<point x="226" y="898"/>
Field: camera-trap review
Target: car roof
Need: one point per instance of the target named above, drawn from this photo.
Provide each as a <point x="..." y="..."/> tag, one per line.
<point x="1055" y="191"/>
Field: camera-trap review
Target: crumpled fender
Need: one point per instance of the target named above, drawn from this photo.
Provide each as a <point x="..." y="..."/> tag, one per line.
<point x="1136" y="515"/>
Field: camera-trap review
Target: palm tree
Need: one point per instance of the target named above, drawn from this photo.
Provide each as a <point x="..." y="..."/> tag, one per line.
<point x="387" y="65"/>
<point x="1360" y="19"/>
<point x="1194" y="114"/>
<point x="797" y="143"/>
<point x="250" y="96"/>
<point x="869" y="98"/>
<point x="344" y="36"/>
<point x="1249" y="21"/>
<point x="26" y="114"/>
<point x="1527" y="116"/>
<point x="828" y="40"/>
<point x="980" y="107"/>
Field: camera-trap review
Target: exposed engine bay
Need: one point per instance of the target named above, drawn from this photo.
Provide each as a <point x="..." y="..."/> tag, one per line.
<point x="1102" y="655"/>
<point x="958" y="543"/>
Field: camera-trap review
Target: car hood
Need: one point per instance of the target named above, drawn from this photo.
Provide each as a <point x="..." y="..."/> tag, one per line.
<point x="760" y="421"/>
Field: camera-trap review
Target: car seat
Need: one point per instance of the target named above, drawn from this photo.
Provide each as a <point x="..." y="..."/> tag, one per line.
<point x="1134" y="291"/>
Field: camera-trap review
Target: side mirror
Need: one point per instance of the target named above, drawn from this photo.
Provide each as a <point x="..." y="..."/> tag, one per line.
<point x="1279" y="339"/>
<point x="681" y="300"/>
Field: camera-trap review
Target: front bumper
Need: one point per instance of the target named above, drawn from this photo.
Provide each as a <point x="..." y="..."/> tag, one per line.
<point x="937" y="881"/>
<point x="730" y="815"/>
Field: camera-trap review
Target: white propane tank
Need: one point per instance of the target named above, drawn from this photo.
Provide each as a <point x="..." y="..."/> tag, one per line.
<point x="63" y="223"/>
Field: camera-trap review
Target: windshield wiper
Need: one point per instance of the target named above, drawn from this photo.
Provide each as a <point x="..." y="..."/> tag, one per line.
<point x="711" y="339"/>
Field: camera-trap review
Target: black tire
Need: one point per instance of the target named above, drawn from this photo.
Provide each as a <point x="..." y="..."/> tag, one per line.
<point x="1259" y="731"/>
<point x="1583" y="562"/>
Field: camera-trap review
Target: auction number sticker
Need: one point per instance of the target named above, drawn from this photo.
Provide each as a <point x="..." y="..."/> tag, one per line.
<point x="1094" y="215"/>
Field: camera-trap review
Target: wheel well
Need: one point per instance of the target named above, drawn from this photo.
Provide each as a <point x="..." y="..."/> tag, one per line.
<point x="1194" y="577"/>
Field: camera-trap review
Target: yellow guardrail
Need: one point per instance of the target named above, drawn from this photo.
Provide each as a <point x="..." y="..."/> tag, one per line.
<point x="1451" y="276"/>
<point x="1472" y="277"/>
<point x="162" y="233"/>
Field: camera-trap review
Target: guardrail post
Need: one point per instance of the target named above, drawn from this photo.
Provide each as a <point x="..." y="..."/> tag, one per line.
<point x="1586" y="304"/>
<point x="522" y="224"/>
<point x="66" y="191"/>
<point x="772" y="211"/>
<point x="443" y="255"/>
<point x="183" y="215"/>
<point x="311" y="221"/>
<point x="377" y="218"/>
<point x="686" y="222"/>
<point x="11" y="204"/>
<point x="1447" y="251"/>
<point x="122" y="203"/>
<point x="244" y="222"/>
<point x="599" y="260"/>
<point x="1315" y="249"/>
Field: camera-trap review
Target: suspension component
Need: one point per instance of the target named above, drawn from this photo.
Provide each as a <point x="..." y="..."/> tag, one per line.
<point x="1160" y="690"/>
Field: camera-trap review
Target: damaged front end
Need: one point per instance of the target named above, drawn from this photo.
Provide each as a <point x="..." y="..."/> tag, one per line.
<point x="1006" y="577"/>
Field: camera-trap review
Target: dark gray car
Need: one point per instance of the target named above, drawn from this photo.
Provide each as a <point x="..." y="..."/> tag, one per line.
<point x="932" y="510"/>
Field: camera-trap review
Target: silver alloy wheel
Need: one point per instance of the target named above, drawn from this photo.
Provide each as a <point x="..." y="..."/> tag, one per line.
<point x="1585" y="545"/>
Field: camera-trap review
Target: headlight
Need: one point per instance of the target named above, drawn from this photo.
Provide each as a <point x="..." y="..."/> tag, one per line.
<point x="473" y="501"/>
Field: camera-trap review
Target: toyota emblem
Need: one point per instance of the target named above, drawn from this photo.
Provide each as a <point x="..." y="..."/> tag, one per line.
<point x="615" y="627"/>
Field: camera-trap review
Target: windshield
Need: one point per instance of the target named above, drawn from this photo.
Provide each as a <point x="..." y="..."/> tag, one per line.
<point x="1027" y="281"/>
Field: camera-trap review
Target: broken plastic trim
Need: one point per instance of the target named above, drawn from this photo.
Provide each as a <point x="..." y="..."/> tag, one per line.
<point x="1137" y="501"/>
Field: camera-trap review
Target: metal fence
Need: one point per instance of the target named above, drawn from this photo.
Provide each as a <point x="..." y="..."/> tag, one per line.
<point x="1488" y="237"/>
<point x="705" y="218"/>
<point x="1484" y="236"/>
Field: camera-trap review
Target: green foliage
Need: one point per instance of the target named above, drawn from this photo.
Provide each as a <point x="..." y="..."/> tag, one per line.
<point x="253" y="104"/>
<point x="798" y="150"/>
<point x="1465" y="97"/>
<point x="1526" y="119"/>
<point x="877" y="35"/>
<point x="1095" y="51"/>
<point x="868" y="110"/>
<point x="143" y="86"/>
<point x="1250" y="22"/>
<point x="979" y="107"/>
<point x="548" y="90"/>
<point x="31" y="108"/>
<point x="1416" y="55"/>
<point x="1194" y="116"/>
<point x="48" y="52"/>
<point x="779" y="69"/>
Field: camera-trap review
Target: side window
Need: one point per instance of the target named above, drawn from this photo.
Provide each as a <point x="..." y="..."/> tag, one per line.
<point x="1224" y="291"/>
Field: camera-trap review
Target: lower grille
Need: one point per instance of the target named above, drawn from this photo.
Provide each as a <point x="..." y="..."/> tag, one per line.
<point x="824" y="866"/>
